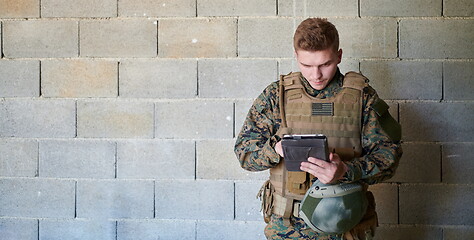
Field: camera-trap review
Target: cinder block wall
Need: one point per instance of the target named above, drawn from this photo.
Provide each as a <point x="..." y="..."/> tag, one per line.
<point x="118" y="118"/>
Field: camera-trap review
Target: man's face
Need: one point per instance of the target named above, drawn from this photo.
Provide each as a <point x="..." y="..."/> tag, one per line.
<point x="318" y="67"/>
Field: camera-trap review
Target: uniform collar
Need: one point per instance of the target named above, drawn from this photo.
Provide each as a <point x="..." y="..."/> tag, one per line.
<point x="334" y="85"/>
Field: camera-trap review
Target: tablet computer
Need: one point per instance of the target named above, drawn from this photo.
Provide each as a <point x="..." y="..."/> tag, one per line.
<point x="297" y="148"/>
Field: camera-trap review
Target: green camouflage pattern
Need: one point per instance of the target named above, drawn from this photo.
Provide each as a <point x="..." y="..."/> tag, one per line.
<point x="255" y="143"/>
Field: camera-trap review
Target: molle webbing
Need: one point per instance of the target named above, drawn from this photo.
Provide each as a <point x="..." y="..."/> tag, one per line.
<point x="338" y="117"/>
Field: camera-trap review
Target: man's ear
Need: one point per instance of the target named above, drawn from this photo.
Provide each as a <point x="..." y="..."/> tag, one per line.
<point x="339" y="56"/>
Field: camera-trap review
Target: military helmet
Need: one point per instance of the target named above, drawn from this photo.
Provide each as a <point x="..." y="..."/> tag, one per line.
<point x="333" y="208"/>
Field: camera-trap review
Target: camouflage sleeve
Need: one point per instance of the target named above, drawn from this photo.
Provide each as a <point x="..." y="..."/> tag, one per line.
<point x="380" y="153"/>
<point x="255" y="143"/>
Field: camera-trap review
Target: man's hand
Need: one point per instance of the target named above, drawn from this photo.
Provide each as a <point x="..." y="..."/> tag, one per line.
<point x="279" y="148"/>
<point x="326" y="172"/>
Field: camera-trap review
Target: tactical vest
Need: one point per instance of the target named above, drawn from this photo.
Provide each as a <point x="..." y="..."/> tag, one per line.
<point x="337" y="117"/>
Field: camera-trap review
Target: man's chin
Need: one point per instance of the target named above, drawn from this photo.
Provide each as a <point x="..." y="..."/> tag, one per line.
<point x="318" y="86"/>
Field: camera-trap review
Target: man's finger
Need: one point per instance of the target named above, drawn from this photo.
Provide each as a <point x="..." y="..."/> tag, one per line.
<point x="318" y="162"/>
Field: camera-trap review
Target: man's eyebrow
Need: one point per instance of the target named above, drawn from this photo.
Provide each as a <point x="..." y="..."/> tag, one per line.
<point x="328" y="61"/>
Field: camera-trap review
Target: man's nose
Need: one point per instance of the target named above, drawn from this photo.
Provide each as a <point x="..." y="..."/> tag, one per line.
<point x="316" y="73"/>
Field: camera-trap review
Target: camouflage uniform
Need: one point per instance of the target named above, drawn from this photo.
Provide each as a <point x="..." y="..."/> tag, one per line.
<point x="254" y="148"/>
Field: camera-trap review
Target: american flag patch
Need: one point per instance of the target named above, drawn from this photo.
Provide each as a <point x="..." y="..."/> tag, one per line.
<point x="323" y="109"/>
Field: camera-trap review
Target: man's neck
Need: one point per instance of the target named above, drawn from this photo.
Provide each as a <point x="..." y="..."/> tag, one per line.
<point x="314" y="92"/>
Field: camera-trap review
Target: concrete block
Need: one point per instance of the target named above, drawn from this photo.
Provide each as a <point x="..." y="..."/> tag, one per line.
<point x="458" y="8"/>
<point x="157" y="8"/>
<point x="457" y="80"/>
<point x="158" y="79"/>
<point x="156" y="229"/>
<point x="386" y="200"/>
<point x="405" y="79"/>
<point x="36" y="198"/>
<point x="102" y="199"/>
<point x="40" y="39"/>
<point x="79" y="78"/>
<point x="398" y="232"/>
<point x="241" y="109"/>
<point x="211" y="200"/>
<point x="210" y="37"/>
<point x="231" y="230"/>
<point x="436" y="204"/>
<point x="163" y="159"/>
<point x="194" y="119"/>
<point x="118" y="38"/>
<point x="236" y="8"/>
<point x="457" y="163"/>
<point x="367" y="37"/>
<point x="257" y="37"/>
<point x="421" y="163"/>
<point x="19" y="78"/>
<point x="115" y="119"/>
<point x="19" y="158"/>
<point x="247" y="206"/>
<point x="348" y="65"/>
<point x="227" y="167"/>
<point x="77" y="229"/>
<point x="454" y="38"/>
<point x="14" y="229"/>
<point x="243" y="78"/>
<point x="78" y="8"/>
<point x="77" y="159"/>
<point x="37" y="118"/>
<point x="320" y="8"/>
<point x="431" y="121"/>
<point x="19" y="8"/>
<point x="461" y="232"/>
<point x="286" y="66"/>
<point x="400" y="8"/>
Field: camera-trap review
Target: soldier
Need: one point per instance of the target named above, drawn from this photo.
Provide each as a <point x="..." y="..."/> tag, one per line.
<point x="363" y="138"/>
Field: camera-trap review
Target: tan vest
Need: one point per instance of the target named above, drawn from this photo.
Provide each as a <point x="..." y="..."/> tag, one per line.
<point x="337" y="117"/>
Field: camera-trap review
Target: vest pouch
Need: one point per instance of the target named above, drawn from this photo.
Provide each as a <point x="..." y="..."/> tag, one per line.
<point x="298" y="182"/>
<point x="266" y="195"/>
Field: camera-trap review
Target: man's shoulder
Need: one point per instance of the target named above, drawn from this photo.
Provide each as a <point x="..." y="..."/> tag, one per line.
<point x="268" y="97"/>
<point x="271" y="90"/>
